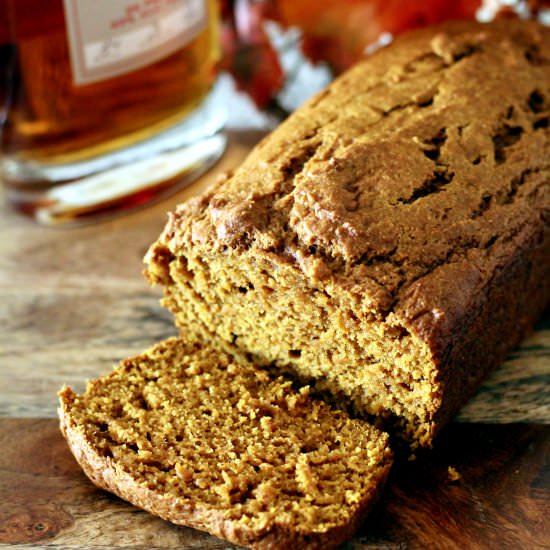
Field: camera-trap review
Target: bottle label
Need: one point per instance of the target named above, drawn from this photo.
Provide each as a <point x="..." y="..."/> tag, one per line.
<point x="108" y="39"/>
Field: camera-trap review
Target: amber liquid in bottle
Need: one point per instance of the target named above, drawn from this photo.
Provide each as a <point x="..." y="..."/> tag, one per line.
<point x="51" y="120"/>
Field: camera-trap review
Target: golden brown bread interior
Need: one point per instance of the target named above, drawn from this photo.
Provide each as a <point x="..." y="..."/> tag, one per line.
<point x="389" y="243"/>
<point x="210" y="442"/>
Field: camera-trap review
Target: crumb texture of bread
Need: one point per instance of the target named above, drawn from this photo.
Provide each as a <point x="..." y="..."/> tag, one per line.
<point x="389" y="243"/>
<point x="207" y="441"/>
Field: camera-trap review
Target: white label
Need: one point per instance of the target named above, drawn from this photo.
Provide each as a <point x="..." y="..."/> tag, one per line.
<point x="107" y="39"/>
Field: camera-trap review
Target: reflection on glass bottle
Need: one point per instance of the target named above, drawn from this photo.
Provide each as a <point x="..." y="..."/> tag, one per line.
<point x="83" y="96"/>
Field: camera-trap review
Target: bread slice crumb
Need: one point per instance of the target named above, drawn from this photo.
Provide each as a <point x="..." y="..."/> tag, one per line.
<point x="204" y="440"/>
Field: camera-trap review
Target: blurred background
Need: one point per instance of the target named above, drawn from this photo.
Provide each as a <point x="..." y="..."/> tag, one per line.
<point x="279" y="52"/>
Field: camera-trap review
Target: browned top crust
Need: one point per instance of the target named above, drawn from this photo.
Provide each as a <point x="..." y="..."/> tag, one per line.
<point x="409" y="182"/>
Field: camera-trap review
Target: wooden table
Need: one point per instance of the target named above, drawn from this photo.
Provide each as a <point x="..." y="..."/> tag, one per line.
<point x="73" y="302"/>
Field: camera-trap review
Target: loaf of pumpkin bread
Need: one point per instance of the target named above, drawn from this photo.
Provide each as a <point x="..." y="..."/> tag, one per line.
<point x="204" y="440"/>
<point x="389" y="243"/>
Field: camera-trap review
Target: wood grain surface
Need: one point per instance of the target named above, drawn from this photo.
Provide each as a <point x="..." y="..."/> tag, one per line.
<point x="73" y="302"/>
<point x="500" y="499"/>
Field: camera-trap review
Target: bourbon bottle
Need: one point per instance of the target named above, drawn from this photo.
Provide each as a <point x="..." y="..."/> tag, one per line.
<point x="105" y="105"/>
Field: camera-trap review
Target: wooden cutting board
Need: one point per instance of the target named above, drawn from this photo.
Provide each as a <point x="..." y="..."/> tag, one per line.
<point x="73" y="302"/>
<point x="484" y="486"/>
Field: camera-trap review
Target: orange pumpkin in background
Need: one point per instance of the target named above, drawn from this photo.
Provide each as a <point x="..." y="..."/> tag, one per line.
<point x="338" y="31"/>
<point x="335" y="32"/>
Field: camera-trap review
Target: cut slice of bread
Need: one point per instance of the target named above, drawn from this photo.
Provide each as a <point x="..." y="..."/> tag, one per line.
<point x="207" y="441"/>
